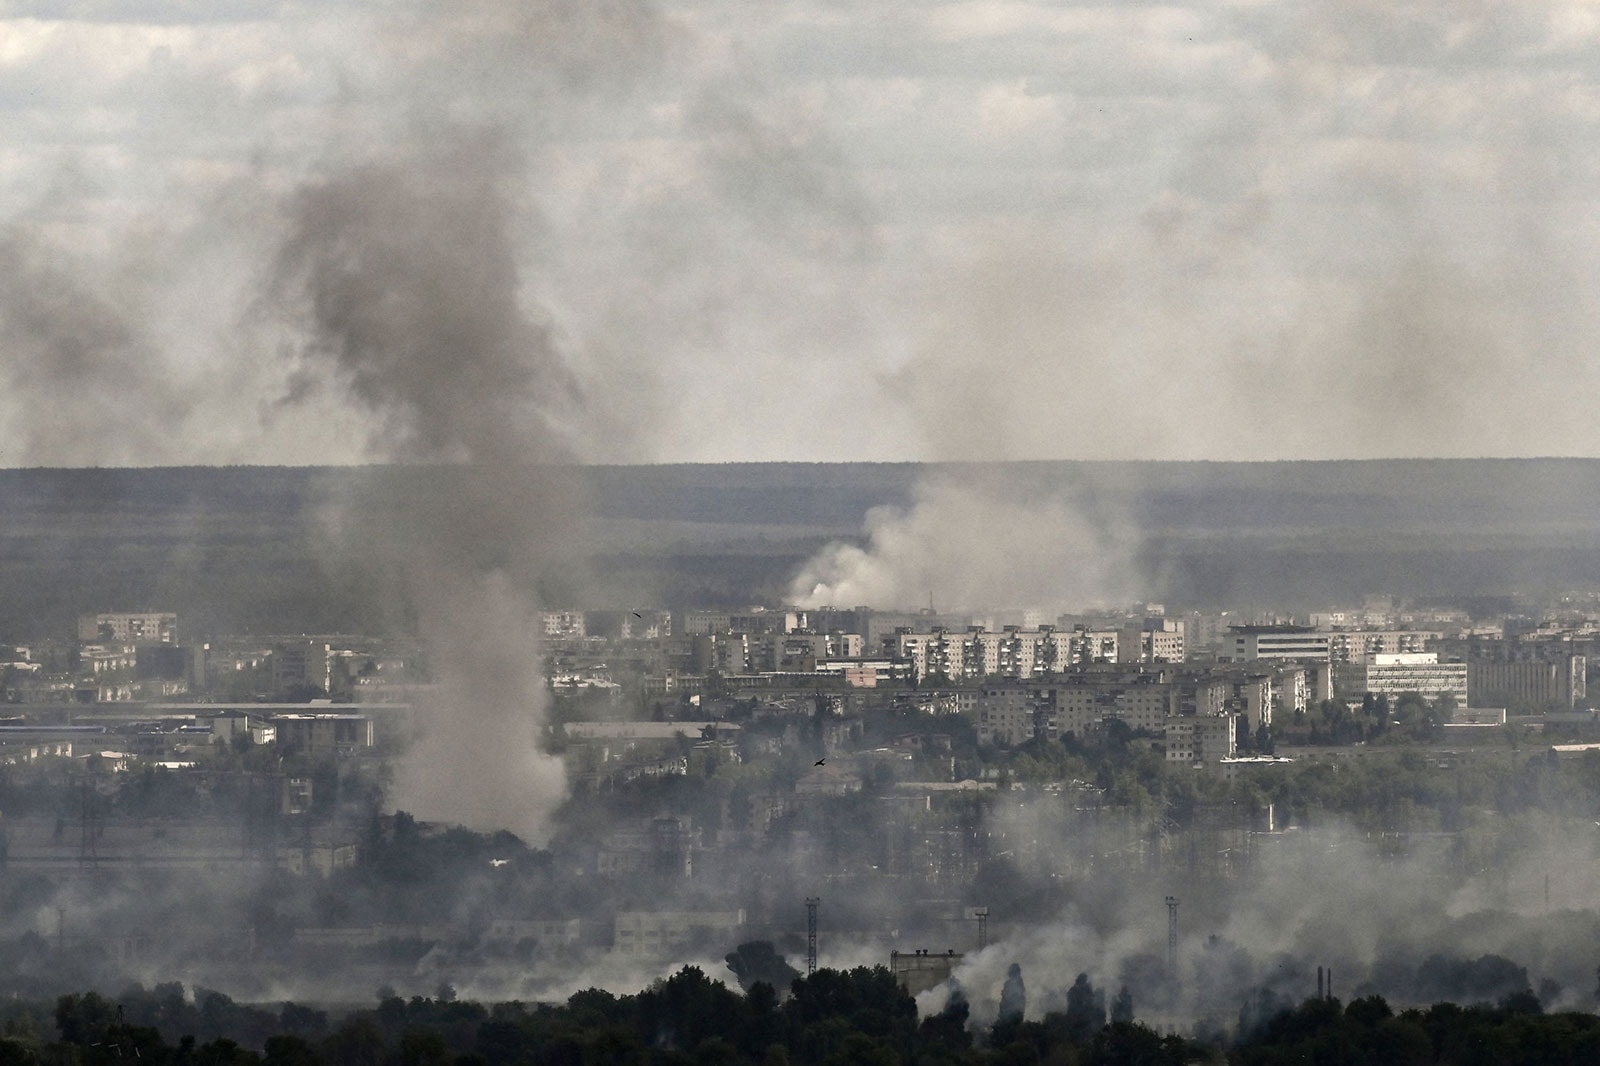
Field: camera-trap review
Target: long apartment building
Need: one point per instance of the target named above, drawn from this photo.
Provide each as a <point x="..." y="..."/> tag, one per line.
<point x="1160" y="701"/>
<point x="1248" y="642"/>
<point x="1011" y="652"/>
<point x="1357" y="645"/>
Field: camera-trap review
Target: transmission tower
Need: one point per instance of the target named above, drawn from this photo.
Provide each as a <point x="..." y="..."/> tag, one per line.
<point x="982" y="915"/>
<point x="1172" y="938"/>
<point x="811" y="934"/>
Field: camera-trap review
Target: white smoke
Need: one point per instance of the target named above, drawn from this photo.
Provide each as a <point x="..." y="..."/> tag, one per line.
<point x="974" y="537"/>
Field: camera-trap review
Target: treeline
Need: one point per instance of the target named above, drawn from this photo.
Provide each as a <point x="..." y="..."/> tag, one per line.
<point x="1512" y="1033"/>
<point x="858" y="1017"/>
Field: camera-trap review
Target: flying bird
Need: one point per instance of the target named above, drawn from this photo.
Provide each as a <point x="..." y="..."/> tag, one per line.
<point x="819" y="762"/>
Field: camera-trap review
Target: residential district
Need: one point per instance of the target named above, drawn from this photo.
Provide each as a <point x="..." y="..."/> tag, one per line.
<point x="725" y="766"/>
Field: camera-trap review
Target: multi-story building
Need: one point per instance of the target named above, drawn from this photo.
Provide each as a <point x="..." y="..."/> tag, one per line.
<point x="1085" y="646"/>
<point x="1161" y="641"/>
<point x="1140" y="703"/>
<point x="302" y="664"/>
<point x="1395" y="675"/>
<point x="1356" y="645"/>
<point x="1556" y="684"/>
<point x="1534" y="672"/>
<point x="1011" y="652"/>
<point x="1010" y="714"/>
<point x="564" y="623"/>
<point x="667" y="934"/>
<point x="1200" y="738"/>
<point x="1272" y="642"/>
<point x="938" y="653"/>
<point x="129" y="627"/>
<point x="324" y="734"/>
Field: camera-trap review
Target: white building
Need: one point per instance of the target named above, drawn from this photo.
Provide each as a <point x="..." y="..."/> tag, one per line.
<point x="1419" y="672"/>
<point x="1250" y="643"/>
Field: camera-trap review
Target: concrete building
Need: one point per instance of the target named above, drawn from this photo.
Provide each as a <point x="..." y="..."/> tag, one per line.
<point x="663" y="934"/>
<point x="1084" y="705"/>
<point x="1200" y="738"/>
<point x="546" y="932"/>
<point x="1276" y="642"/>
<point x="338" y="734"/>
<point x="1085" y="646"/>
<point x="1395" y="675"/>
<point x="563" y="623"/>
<point x="131" y="627"/>
<point x="1012" y="652"/>
<point x="919" y="971"/>
<point x="1009" y="714"/>
<point x="1558" y="684"/>
<point x="1357" y="645"/>
<point x="298" y="665"/>
<point x="1153" y="640"/>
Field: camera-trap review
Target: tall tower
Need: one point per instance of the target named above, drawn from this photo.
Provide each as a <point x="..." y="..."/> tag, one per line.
<point x="811" y="934"/>
<point x="1172" y="939"/>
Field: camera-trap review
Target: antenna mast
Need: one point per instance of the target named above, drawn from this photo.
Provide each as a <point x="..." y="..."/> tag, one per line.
<point x="1172" y="939"/>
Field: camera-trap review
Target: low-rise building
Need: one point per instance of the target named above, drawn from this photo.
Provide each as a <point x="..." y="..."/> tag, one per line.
<point x="662" y="934"/>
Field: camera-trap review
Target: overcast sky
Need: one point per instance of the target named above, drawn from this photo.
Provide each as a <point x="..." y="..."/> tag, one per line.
<point x="875" y="229"/>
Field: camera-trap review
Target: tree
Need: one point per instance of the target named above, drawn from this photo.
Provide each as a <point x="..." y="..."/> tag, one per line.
<point x="1264" y="743"/>
<point x="1122" y="1006"/>
<point x="1086" y="1010"/>
<point x="289" y="1050"/>
<point x="1013" y="997"/>
<point x="84" y="1019"/>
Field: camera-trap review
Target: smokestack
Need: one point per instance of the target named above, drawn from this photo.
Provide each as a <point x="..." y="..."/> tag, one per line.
<point x="1319" y="982"/>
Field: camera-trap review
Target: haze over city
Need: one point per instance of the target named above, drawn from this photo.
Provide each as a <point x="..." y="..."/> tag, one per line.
<point x="799" y="532"/>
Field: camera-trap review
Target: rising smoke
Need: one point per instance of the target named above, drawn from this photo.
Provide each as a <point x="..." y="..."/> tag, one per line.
<point x="404" y="273"/>
<point x="977" y="536"/>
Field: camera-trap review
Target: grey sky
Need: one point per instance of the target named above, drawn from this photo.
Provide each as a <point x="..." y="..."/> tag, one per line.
<point x="814" y="230"/>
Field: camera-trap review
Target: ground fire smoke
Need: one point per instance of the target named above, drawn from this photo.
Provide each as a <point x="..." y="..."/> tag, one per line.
<point x="974" y="536"/>
<point x="403" y="272"/>
<point x="410" y="294"/>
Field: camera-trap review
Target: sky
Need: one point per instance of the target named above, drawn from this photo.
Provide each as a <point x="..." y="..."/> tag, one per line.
<point x="799" y="230"/>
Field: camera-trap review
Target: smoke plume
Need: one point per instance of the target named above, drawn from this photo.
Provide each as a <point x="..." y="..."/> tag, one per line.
<point x="979" y="536"/>
<point x="404" y="273"/>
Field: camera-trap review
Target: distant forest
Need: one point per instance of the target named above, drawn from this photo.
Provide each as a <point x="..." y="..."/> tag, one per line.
<point x="248" y="549"/>
<point x="831" y="1018"/>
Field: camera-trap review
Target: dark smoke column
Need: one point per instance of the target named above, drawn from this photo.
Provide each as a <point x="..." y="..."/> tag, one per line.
<point x="402" y="276"/>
